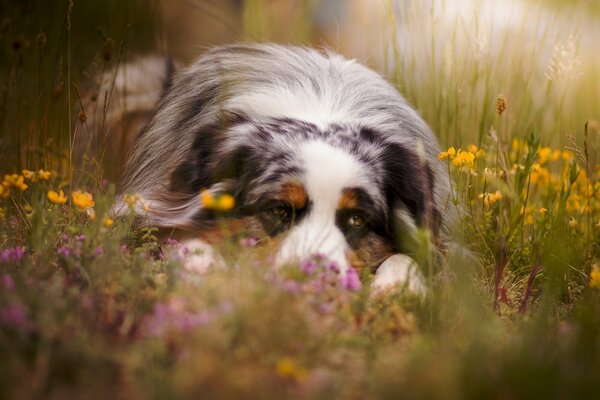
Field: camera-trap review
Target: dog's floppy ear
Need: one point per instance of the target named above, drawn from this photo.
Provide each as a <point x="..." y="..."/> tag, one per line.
<point x="408" y="186"/>
<point x="206" y="162"/>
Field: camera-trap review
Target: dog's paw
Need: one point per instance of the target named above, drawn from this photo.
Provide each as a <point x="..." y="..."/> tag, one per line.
<point x="399" y="271"/>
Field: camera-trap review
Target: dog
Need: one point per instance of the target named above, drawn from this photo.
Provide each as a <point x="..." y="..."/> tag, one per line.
<point x="320" y="154"/>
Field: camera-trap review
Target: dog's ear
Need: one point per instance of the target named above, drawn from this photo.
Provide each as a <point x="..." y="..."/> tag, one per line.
<point x="194" y="173"/>
<point x="408" y="186"/>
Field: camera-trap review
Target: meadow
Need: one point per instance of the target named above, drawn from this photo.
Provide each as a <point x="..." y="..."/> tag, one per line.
<point x="92" y="308"/>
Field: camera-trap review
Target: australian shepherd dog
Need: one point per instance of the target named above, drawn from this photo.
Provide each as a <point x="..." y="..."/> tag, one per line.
<point x="320" y="154"/>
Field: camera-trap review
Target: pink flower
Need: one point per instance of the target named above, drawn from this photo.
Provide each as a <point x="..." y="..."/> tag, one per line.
<point x="351" y="280"/>
<point x="13" y="254"/>
<point x="8" y="282"/>
<point x="15" y="315"/>
<point x="309" y="266"/>
<point x="248" y="242"/>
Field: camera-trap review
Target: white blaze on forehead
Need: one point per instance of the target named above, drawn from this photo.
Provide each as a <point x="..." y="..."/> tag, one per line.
<point x="328" y="171"/>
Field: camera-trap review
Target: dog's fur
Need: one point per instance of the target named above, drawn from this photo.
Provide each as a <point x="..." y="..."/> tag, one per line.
<point x="318" y="151"/>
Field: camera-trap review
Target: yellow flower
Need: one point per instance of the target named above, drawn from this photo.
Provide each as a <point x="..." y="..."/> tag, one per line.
<point x="473" y="149"/>
<point x="226" y="202"/>
<point x="4" y="191"/>
<point x="443" y="155"/>
<point x="27" y="174"/>
<point x="20" y="183"/>
<point x="464" y="158"/>
<point x="287" y="368"/>
<point x="57" y="198"/>
<point x="451" y="152"/>
<point x="223" y="202"/>
<point x="108" y="222"/>
<point x="595" y="277"/>
<point x="15" y="180"/>
<point x="491" y="198"/>
<point x="45" y="175"/>
<point x="543" y="211"/>
<point x="131" y="199"/>
<point x="207" y="199"/>
<point x="83" y="200"/>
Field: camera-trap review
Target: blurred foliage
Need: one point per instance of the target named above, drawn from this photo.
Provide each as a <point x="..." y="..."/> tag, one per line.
<point x="91" y="308"/>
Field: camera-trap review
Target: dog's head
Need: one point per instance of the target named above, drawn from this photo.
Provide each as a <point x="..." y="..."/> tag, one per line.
<point x="321" y="155"/>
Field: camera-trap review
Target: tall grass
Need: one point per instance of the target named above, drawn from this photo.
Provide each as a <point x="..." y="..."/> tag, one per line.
<point x="90" y="308"/>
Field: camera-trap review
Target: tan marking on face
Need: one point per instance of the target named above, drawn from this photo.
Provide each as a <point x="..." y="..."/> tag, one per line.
<point x="294" y="194"/>
<point x="370" y="253"/>
<point x="348" y="199"/>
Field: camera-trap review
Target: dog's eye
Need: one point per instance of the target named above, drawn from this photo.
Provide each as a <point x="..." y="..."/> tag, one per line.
<point x="356" y="221"/>
<point x="280" y="211"/>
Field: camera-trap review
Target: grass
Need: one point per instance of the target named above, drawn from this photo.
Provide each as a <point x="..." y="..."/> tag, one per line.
<point x="90" y="308"/>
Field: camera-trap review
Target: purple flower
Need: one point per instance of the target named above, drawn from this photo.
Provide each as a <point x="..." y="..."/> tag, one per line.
<point x="99" y="251"/>
<point x="172" y="316"/>
<point x="104" y="182"/>
<point x="291" y="287"/>
<point x="172" y="243"/>
<point x="8" y="282"/>
<point x="351" y="280"/>
<point x="248" y="242"/>
<point x="332" y="266"/>
<point x="309" y="266"/>
<point x="15" y="315"/>
<point x="79" y="238"/>
<point x="13" y="254"/>
<point x="64" y="251"/>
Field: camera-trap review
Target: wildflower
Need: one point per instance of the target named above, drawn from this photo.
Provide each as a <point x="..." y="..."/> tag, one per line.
<point x="501" y="104"/>
<point x="287" y="368"/>
<point x="12" y="254"/>
<point x="17" y="181"/>
<point x="27" y="174"/>
<point x="464" y="158"/>
<point x="248" y="242"/>
<point x="308" y="266"/>
<point x="451" y="152"/>
<point x="131" y="199"/>
<point x="223" y="202"/>
<point x="64" y="251"/>
<point x="8" y="282"/>
<point x="99" y="251"/>
<point x="472" y="148"/>
<point x="108" y="222"/>
<point x="83" y="200"/>
<point x="4" y="191"/>
<point x="44" y="175"/>
<point x="291" y="287"/>
<point x="543" y="211"/>
<point x="351" y="280"/>
<point x="15" y="315"/>
<point x="595" y="277"/>
<point x="57" y="198"/>
<point x="490" y="198"/>
<point x="443" y="155"/>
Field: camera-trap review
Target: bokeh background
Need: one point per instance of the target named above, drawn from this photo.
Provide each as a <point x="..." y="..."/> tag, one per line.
<point x="449" y="58"/>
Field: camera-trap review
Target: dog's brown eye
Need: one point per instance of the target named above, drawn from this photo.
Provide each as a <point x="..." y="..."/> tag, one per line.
<point x="279" y="211"/>
<point x="356" y="221"/>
